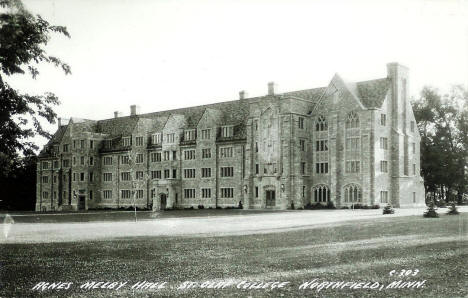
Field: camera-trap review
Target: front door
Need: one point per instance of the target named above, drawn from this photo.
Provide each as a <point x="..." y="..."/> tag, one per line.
<point x="81" y="202"/>
<point x="270" y="198"/>
<point x="163" y="201"/>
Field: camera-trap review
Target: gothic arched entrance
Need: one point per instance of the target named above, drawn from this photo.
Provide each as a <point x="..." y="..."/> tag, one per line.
<point x="163" y="201"/>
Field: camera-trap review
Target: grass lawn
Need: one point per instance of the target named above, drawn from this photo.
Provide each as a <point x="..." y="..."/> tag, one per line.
<point x="360" y="251"/>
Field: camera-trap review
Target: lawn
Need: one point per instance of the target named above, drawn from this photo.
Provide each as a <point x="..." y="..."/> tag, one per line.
<point x="436" y="250"/>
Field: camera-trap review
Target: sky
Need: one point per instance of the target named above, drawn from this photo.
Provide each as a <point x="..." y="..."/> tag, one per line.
<point x="163" y="54"/>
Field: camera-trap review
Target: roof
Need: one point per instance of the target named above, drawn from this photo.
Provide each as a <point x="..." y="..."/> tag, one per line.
<point x="372" y="93"/>
<point x="312" y="95"/>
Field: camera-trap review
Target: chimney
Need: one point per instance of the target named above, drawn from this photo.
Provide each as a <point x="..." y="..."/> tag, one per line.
<point x="134" y="110"/>
<point x="59" y="121"/>
<point x="271" y="88"/>
<point x="242" y="94"/>
<point x="117" y="114"/>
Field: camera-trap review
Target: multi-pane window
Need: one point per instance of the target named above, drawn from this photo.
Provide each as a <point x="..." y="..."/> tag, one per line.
<point x="45" y="165"/>
<point x="45" y="195"/>
<point x="352" y="120"/>
<point x="170" y="138"/>
<point x="82" y="143"/>
<point x="139" y="141"/>
<point x="383" y="196"/>
<point x="189" y="173"/>
<point x="167" y="173"/>
<point x="91" y="144"/>
<point x="174" y="155"/>
<point x="206" y="193"/>
<point x="107" y="194"/>
<point x="174" y="173"/>
<point x="189" y="154"/>
<point x="321" y="124"/>
<point x="167" y="155"/>
<point x="321" y="194"/>
<point x="227" y="131"/>
<point x="106" y="177"/>
<point x="352" y="166"/>
<point x="189" y="135"/>
<point x="352" y="194"/>
<point x="206" y="172"/>
<point x="74" y="144"/>
<point x="45" y="179"/>
<point x="91" y="161"/>
<point x="74" y="160"/>
<point x="383" y="119"/>
<point x="56" y="164"/>
<point x="139" y="194"/>
<point x="383" y="166"/>
<point x="139" y="175"/>
<point x="301" y="122"/>
<point x="321" y="168"/>
<point x="227" y="171"/>
<point x="156" y="138"/>
<point x="82" y="160"/>
<point x="206" y="134"/>
<point x="139" y="158"/>
<point x="66" y="163"/>
<point x="74" y="176"/>
<point x="124" y="159"/>
<point x="65" y="147"/>
<point x="321" y="145"/>
<point x="226" y="152"/>
<point x="125" y="176"/>
<point x="227" y="192"/>
<point x="189" y="193"/>
<point x="303" y="168"/>
<point x="384" y="143"/>
<point x="156" y="174"/>
<point x="125" y="193"/>
<point x="301" y="143"/>
<point x="206" y="153"/>
<point x="352" y="144"/>
<point x="107" y="160"/>
<point x="127" y="141"/>
<point x="155" y="156"/>
<point x="91" y="177"/>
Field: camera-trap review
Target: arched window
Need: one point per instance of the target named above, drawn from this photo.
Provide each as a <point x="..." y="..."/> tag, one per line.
<point x="352" y="121"/>
<point x="352" y="193"/>
<point x="321" y="124"/>
<point x="321" y="193"/>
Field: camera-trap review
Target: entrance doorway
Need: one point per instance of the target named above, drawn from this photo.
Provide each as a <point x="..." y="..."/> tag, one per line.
<point x="163" y="201"/>
<point x="270" y="198"/>
<point x="81" y="202"/>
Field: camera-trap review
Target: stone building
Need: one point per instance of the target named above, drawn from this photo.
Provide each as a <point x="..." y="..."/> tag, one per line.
<point x="348" y="143"/>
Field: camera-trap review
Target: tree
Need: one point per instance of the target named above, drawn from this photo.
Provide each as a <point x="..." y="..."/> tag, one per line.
<point x="23" y="37"/>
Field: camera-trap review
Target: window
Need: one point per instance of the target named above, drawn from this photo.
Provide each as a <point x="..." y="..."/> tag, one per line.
<point x="170" y="138"/>
<point x="56" y="164"/>
<point x="155" y="156"/>
<point x="352" y="120"/>
<point x="156" y="174"/>
<point x="107" y="160"/>
<point x="352" y="166"/>
<point x="174" y="173"/>
<point x="206" y="134"/>
<point x="139" y="175"/>
<point x="321" y="193"/>
<point x="45" y="179"/>
<point x="74" y="176"/>
<point x="227" y="131"/>
<point x="91" y="177"/>
<point x="139" y="141"/>
<point x="90" y="195"/>
<point x="206" y="153"/>
<point x="127" y="141"/>
<point x="156" y="138"/>
<point x="321" y="124"/>
<point x="189" y="173"/>
<point x="384" y="143"/>
<point x="82" y="144"/>
<point x="256" y="169"/>
<point x="139" y="158"/>
<point x="413" y="148"/>
<point x="189" y="193"/>
<point x="91" y="161"/>
<point x="74" y="144"/>
<point x="167" y="155"/>
<point x="167" y="173"/>
<point x="206" y="192"/>
<point x="55" y="179"/>
<point x="412" y="126"/>
<point x="303" y="168"/>
<point x="125" y="193"/>
<point x="301" y="122"/>
<point x="414" y="169"/>
<point x="226" y="152"/>
<point x="384" y="196"/>
<point x="256" y="191"/>
<point x="189" y="154"/>
<point x="414" y="197"/>
<point x="352" y="144"/>
<point x="107" y="194"/>
<point x="66" y="163"/>
<point x="256" y="146"/>
<point x="45" y="165"/>
<point x="352" y="193"/>
<point x="321" y="168"/>
<point x="91" y="144"/>
<point x="82" y="176"/>
<point x="383" y="119"/>
<point x="189" y="135"/>
<point x="227" y="171"/>
<point x="321" y="145"/>
<point x="206" y="172"/>
<point x="139" y="194"/>
<point x="174" y="155"/>
<point x="82" y="161"/>
<point x="107" y="177"/>
<point x="125" y="176"/>
<point x="65" y="147"/>
<point x="124" y="159"/>
<point x="108" y="143"/>
<point x="227" y="192"/>
<point x="383" y="166"/>
<point x="45" y="195"/>
<point x="302" y="144"/>
<point x="74" y="160"/>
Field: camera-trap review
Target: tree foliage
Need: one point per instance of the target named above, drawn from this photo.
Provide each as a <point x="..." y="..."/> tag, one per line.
<point x="443" y="124"/>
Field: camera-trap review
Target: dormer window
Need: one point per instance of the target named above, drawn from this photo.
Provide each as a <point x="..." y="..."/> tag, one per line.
<point x="139" y="141"/>
<point x="227" y="131"/>
<point x="170" y="138"/>
<point x="126" y="141"/>
<point x="189" y="135"/>
<point x="156" y="138"/>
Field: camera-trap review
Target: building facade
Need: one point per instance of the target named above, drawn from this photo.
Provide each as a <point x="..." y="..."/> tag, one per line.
<point x="348" y="143"/>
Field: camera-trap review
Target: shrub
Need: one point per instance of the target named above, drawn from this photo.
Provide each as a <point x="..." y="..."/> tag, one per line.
<point x="452" y="209"/>
<point x="218" y="207"/>
<point x="330" y="205"/>
<point x="376" y="206"/>
<point x="388" y="209"/>
<point x="430" y="211"/>
<point x="240" y="205"/>
<point x="201" y="207"/>
<point x="292" y="205"/>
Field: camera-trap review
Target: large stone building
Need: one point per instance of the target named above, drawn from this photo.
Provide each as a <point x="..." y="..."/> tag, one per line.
<point x="347" y="143"/>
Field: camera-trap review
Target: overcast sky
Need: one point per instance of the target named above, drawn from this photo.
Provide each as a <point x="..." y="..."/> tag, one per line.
<point x="169" y="54"/>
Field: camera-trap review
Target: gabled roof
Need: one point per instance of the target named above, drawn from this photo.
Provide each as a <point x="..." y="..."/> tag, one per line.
<point x="372" y="93"/>
<point x="312" y="95"/>
<point x="115" y="127"/>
